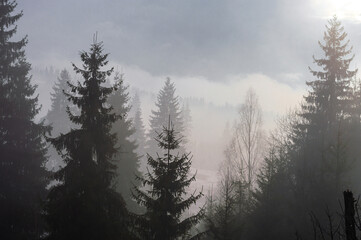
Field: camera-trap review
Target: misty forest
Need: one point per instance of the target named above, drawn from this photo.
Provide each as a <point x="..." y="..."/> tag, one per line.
<point x="180" y="120"/>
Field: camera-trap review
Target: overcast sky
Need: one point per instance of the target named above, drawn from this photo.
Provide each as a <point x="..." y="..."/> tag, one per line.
<point x="225" y="45"/>
<point x="211" y="49"/>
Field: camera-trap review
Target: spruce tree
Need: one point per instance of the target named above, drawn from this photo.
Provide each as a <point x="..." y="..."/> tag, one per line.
<point x="126" y="157"/>
<point x="331" y="92"/>
<point x="316" y="150"/>
<point x="221" y="217"/>
<point x="84" y="205"/>
<point x="22" y="149"/>
<point x="165" y="201"/>
<point x="326" y="113"/>
<point x="167" y="105"/>
<point x="274" y="212"/>
<point x="57" y="116"/>
<point x="273" y="198"/>
<point x="139" y="134"/>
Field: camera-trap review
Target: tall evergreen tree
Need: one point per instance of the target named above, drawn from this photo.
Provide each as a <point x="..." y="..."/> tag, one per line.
<point x="22" y="149"/>
<point x="139" y="134"/>
<point x="272" y="216"/>
<point x="57" y="116"/>
<point x="126" y="157"/>
<point x="326" y="113"/>
<point x="221" y="218"/>
<point x="313" y="160"/>
<point x="167" y="105"/>
<point x="330" y="95"/>
<point x="84" y="205"/>
<point x="273" y="213"/>
<point x="165" y="201"/>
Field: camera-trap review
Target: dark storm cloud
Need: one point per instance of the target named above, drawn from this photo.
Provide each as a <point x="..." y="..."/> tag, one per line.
<point x="208" y="38"/>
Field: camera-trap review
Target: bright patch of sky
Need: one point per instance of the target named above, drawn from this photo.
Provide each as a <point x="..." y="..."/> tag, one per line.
<point x="343" y="9"/>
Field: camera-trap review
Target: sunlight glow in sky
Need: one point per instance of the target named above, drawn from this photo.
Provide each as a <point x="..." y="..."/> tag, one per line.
<point x="343" y="9"/>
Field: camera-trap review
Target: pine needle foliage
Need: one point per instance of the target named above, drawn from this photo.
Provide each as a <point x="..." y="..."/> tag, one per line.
<point x="22" y="146"/>
<point x="166" y="200"/>
<point x="84" y="204"/>
<point x="329" y="100"/>
<point x="126" y="157"/>
<point x="167" y="104"/>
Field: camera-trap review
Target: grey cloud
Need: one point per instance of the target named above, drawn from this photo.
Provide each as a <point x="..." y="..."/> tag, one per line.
<point x="208" y="38"/>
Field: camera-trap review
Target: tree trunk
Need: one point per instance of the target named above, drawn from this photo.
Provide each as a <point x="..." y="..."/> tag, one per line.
<point x="349" y="215"/>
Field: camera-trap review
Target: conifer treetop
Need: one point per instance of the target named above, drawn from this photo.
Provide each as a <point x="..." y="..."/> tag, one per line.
<point x="86" y="180"/>
<point x="336" y="50"/>
<point x="84" y="94"/>
<point x="165" y="202"/>
<point x="331" y="93"/>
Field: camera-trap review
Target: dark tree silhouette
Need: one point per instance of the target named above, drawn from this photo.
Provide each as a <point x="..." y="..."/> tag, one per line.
<point x="338" y="226"/>
<point x="22" y="149"/>
<point x="321" y="157"/>
<point x="126" y="157"/>
<point x="165" y="201"/>
<point x="221" y="215"/>
<point x="308" y="169"/>
<point x="273" y="197"/>
<point x="330" y="95"/>
<point x="84" y="205"/>
<point x="350" y="223"/>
